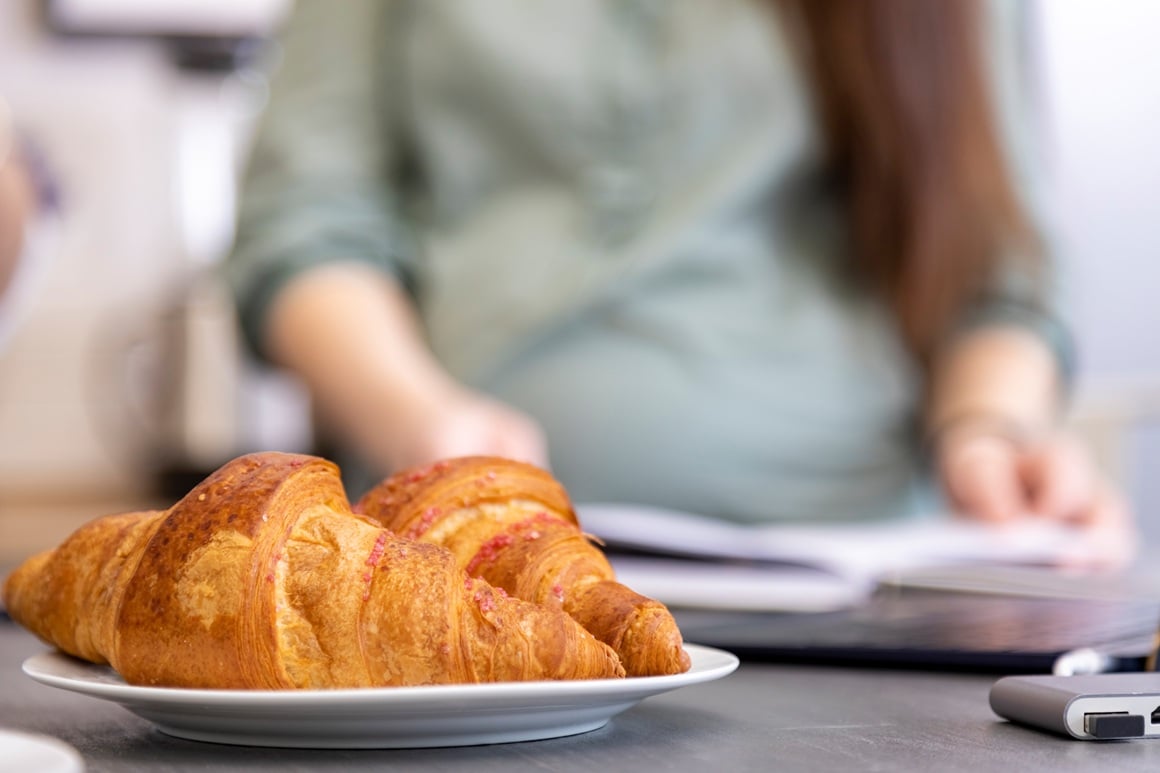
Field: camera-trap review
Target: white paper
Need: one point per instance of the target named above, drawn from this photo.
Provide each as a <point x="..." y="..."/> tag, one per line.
<point x="750" y="588"/>
<point x="803" y="567"/>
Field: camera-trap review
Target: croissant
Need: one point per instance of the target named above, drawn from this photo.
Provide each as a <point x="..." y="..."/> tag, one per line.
<point x="262" y="577"/>
<point x="513" y="525"/>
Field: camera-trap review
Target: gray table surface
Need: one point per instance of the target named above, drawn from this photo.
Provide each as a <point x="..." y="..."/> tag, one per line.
<point x="762" y="717"/>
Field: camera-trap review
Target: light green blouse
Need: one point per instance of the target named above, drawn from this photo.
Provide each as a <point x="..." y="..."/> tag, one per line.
<point x="610" y="214"/>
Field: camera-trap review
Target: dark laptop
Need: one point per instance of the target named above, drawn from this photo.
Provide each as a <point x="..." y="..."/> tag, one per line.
<point x="956" y="599"/>
<point x="946" y="630"/>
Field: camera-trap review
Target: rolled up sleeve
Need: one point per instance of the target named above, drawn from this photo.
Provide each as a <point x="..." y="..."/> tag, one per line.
<point x="318" y="185"/>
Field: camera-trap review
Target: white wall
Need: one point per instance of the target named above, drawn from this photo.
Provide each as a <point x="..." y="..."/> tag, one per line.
<point x="1101" y="67"/>
<point x="90" y="391"/>
<point x="103" y="116"/>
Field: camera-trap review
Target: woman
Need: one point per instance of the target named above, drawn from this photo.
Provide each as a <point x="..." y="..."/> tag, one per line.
<point x="28" y="206"/>
<point x="16" y="200"/>
<point x="750" y="259"/>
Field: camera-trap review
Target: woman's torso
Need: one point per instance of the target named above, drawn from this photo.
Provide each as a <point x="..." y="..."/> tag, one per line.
<point x="626" y="234"/>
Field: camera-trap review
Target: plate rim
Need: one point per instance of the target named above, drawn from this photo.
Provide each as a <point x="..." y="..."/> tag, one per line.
<point x="379" y="718"/>
<point x="38" y="667"/>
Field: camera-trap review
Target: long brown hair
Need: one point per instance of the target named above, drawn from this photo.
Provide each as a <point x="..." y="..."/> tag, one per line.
<point x="911" y="136"/>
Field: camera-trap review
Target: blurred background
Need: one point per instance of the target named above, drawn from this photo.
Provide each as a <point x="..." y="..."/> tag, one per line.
<point x="121" y="378"/>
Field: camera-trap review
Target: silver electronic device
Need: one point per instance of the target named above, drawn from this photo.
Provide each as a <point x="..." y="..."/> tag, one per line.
<point x="1092" y="707"/>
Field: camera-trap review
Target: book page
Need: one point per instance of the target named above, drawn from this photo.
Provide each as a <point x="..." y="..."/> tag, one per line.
<point x="748" y="587"/>
<point x="826" y="564"/>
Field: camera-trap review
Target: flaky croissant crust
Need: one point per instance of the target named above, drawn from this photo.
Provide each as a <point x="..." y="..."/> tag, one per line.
<point x="513" y="525"/>
<point x="262" y="577"/>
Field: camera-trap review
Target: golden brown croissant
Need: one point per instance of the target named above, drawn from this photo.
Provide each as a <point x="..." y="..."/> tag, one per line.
<point x="262" y="577"/>
<point x="513" y="525"/>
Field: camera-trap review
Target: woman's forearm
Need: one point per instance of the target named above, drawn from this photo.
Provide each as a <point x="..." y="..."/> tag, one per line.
<point x="1003" y="376"/>
<point x="351" y="334"/>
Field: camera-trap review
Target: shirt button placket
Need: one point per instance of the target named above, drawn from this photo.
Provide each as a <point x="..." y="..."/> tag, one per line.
<point x="617" y="189"/>
<point x="618" y="198"/>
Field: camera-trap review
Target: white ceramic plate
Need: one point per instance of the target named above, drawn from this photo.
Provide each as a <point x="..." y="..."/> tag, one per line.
<point x="395" y="717"/>
<point x="22" y="752"/>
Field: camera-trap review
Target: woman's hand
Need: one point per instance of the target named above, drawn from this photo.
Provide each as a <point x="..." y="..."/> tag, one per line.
<point x="350" y="332"/>
<point x="1001" y="478"/>
<point x="462" y="423"/>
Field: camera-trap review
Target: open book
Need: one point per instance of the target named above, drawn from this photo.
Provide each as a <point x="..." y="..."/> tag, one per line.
<point x="689" y="560"/>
